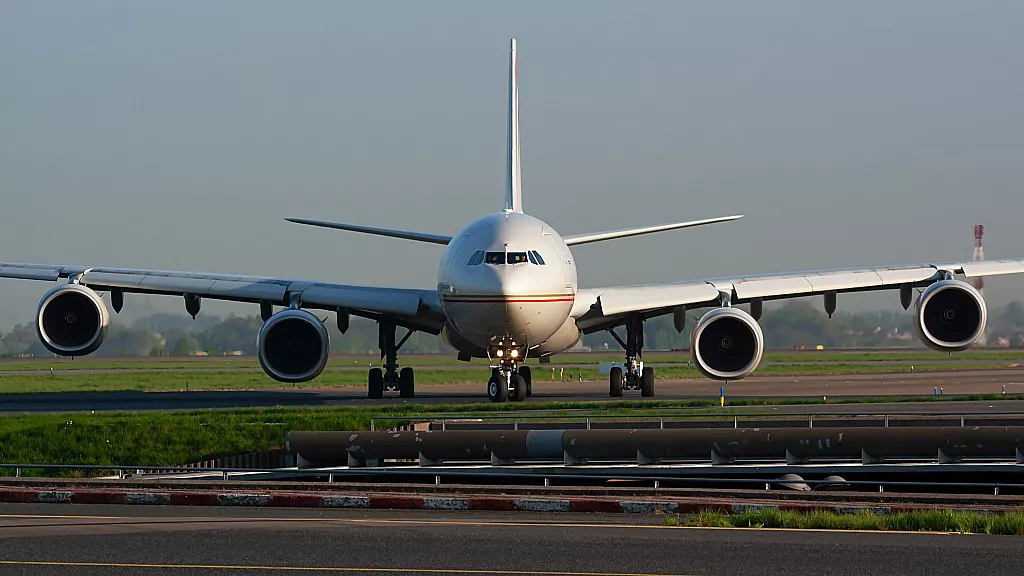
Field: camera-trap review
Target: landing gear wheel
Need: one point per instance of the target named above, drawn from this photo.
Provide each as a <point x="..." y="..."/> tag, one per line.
<point x="615" y="382"/>
<point x="647" y="382"/>
<point x="519" y="390"/>
<point x="406" y="383"/>
<point x="497" y="389"/>
<point x="376" y="383"/>
<point x="527" y="375"/>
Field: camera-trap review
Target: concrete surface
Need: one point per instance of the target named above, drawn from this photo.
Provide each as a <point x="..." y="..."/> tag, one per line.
<point x="91" y="540"/>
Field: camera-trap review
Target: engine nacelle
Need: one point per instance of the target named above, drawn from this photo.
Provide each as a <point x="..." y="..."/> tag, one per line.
<point x="293" y="346"/>
<point x="726" y="344"/>
<point x="950" y="315"/>
<point x="72" y="320"/>
<point x="566" y="337"/>
<point x="452" y="337"/>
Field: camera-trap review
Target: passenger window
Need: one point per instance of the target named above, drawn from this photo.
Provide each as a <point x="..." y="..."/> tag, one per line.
<point x="539" y="259"/>
<point x="495" y="258"/>
<point x="517" y="258"/>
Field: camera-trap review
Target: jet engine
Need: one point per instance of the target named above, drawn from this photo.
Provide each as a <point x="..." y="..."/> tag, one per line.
<point x="72" y="320"/>
<point x="292" y="346"/>
<point x="950" y="315"/>
<point x="726" y="344"/>
<point x="452" y="337"/>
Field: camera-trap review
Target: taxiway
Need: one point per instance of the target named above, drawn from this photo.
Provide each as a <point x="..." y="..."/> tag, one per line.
<point x="951" y="383"/>
<point x="92" y="540"/>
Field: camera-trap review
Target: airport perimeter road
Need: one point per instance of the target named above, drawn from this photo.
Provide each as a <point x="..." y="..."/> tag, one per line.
<point x="86" y="540"/>
<point x="833" y="386"/>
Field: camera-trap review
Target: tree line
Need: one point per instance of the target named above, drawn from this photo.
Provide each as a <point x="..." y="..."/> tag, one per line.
<point x="797" y="323"/>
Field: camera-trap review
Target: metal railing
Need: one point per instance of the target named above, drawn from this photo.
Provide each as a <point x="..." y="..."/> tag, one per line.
<point x="661" y="417"/>
<point x="439" y="474"/>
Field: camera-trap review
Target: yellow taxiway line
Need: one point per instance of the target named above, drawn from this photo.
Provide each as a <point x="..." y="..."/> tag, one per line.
<point x="320" y="569"/>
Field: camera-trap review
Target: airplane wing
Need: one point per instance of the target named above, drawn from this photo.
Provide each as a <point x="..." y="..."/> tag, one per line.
<point x="413" y="308"/>
<point x="597" y="309"/>
<point x="628" y="232"/>
<point x="403" y="234"/>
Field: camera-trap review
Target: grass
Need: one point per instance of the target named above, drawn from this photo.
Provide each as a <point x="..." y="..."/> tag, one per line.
<point x="175" y="438"/>
<point x="569" y="359"/>
<point x="198" y="379"/>
<point x="1011" y="523"/>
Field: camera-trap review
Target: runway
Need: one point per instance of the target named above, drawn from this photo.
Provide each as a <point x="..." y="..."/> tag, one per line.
<point x="953" y="383"/>
<point x="44" y="540"/>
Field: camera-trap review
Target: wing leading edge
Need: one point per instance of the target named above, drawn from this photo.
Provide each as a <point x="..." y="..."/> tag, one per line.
<point x="415" y="308"/>
<point x="599" y="236"/>
<point x="403" y="234"/>
<point x="598" y="308"/>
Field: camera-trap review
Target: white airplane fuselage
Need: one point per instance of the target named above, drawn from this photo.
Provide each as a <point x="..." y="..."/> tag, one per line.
<point x="509" y="277"/>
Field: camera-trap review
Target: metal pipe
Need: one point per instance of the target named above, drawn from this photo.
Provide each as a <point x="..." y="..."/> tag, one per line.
<point x="340" y="448"/>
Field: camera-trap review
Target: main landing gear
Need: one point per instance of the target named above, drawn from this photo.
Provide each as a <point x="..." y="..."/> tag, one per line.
<point x="509" y="381"/>
<point x="632" y="375"/>
<point x="390" y="378"/>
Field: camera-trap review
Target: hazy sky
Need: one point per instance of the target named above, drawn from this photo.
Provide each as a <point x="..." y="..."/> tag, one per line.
<point x="177" y="135"/>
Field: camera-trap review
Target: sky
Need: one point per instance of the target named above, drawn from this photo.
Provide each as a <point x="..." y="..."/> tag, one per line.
<point x="178" y="135"/>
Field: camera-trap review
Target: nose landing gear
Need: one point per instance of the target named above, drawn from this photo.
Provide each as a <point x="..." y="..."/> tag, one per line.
<point x="508" y="381"/>
<point x="632" y="375"/>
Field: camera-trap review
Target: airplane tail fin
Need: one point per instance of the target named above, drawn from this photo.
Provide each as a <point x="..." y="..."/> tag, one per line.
<point x="514" y="178"/>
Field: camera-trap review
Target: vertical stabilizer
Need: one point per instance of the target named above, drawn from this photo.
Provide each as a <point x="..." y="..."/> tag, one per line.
<point x="514" y="179"/>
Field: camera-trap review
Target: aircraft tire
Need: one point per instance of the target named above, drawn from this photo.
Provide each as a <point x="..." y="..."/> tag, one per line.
<point x="497" y="389"/>
<point x="615" y="382"/>
<point x="519" y="384"/>
<point x="647" y="383"/>
<point x="527" y="375"/>
<point x="407" y="383"/>
<point x="376" y="383"/>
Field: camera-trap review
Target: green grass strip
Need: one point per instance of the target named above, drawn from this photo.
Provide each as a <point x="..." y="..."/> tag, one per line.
<point x="164" y="381"/>
<point x="1011" y="523"/>
<point x="181" y="437"/>
<point x="569" y="359"/>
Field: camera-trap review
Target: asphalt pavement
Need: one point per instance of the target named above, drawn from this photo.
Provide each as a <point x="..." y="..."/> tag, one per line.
<point x="544" y="390"/>
<point x="98" y="540"/>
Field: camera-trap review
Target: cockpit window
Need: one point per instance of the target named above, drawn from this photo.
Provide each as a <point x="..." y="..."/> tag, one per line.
<point x="532" y="256"/>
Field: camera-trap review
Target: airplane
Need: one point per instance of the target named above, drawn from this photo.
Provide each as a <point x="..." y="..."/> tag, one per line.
<point x="507" y="291"/>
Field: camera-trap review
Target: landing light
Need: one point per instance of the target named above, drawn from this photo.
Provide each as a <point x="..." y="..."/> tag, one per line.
<point x="500" y="353"/>
<point x="515" y="353"/>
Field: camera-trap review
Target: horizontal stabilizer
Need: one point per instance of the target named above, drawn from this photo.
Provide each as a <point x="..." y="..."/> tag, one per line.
<point x="599" y="236"/>
<point x="404" y="234"/>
